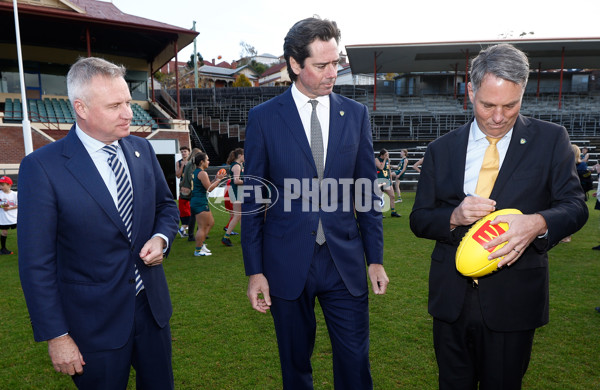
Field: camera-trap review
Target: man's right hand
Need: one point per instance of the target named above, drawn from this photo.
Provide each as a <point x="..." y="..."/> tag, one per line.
<point x="65" y="355"/>
<point x="258" y="284"/>
<point x="471" y="210"/>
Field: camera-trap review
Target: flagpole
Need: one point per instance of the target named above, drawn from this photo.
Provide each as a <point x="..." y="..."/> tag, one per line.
<point x="26" y="124"/>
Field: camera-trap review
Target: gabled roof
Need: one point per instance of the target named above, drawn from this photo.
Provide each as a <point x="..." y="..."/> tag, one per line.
<point x="222" y="72"/>
<point x="111" y="31"/>
<point x="274" y="69"/>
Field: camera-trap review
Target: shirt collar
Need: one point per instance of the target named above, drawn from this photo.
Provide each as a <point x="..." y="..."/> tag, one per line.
<point x="301" y="99"/>
<point x="91" y="144"/>
<point x="477" y="135"/>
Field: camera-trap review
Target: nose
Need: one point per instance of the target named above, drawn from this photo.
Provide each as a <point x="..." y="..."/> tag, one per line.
<point x="332" y="71"/>
<point x="127" y="112"/>
<point x="497" y="115"/>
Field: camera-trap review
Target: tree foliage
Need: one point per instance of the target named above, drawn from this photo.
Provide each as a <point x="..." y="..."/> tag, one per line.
<point x="241" y="81"/>
<point x="247" y="50"/>
<point x="190" y="63"/>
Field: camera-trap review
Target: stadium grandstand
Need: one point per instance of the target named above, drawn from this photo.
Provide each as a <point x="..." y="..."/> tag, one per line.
<point x="426" y="98"/>
<point x="54" y="33"/>
<point x="419" y="93"/>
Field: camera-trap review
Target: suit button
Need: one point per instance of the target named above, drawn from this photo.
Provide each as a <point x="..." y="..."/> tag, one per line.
<point x="313" y="233"/>
<point x="131" y="281"/>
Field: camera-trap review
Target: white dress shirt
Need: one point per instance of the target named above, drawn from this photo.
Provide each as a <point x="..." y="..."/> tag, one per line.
<point x="476" y="148"/>
<point x="100" y="159"/>
<point x="305" y="111"/>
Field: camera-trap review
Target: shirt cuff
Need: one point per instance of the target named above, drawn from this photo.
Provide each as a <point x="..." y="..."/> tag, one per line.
<point x="164" y="238"/>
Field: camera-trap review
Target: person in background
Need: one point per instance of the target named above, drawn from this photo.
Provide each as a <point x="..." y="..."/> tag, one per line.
<point x="8" y="212"/>
<point x="398" y="174"/>
<point x="199" y="202"/>
<point x="97" y="292"/>
<point x="292" y="255"/>
<point x="584" y="155"/>
<point x="417" y="166"/>
<point x="185" y="191"/>
<point x="483" y="328"/>
<point x="236" y="172"/>
<point x="184" y="203"/>
<point x="384" y="178"/>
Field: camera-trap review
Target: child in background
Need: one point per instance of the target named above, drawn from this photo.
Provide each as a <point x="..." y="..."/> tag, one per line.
<point x="8" y="213"/>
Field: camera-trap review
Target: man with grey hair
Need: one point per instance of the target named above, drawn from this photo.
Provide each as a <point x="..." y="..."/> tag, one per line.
<point x="97" y="292"/>
<point x="483" y="328"/>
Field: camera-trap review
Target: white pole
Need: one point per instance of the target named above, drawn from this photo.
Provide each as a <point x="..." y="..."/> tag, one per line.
<point x="26" y="124"/>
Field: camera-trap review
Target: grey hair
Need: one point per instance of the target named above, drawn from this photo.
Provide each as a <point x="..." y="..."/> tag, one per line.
<point x="503" y="61"/>
<point x="86" y="68"/>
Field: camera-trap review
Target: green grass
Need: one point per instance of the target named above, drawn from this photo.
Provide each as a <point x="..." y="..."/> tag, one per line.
<point x="219" y="342"/>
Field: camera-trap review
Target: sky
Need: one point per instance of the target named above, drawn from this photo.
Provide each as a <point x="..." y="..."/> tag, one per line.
<point x="264" y="23"/>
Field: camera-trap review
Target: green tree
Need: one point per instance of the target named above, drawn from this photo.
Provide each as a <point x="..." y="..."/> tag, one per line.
<point x="241" y="81"/>
<point x="259" y="67"/>
<point x="190" y="63"/>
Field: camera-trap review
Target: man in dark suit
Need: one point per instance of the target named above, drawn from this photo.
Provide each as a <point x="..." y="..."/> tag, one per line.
<point x="483" y="329"/>
<point x="314" y="150"/>
<point x="92" y="240"/>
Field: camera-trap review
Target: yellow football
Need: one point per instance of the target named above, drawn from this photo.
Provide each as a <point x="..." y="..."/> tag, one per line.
<point x="471" y="257"/>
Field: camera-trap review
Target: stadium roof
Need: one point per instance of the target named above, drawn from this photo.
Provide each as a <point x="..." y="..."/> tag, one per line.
<point x="579" y="53"/>
<point x="63" y="24"/>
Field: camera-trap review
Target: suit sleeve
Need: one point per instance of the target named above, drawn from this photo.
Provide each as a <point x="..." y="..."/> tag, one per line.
<point x="568" y="211"/>
<point x="37" y="238"/>
<point x="256" y="166"/>
<point x="430" y="217"/>
<point x="369" y="221"/>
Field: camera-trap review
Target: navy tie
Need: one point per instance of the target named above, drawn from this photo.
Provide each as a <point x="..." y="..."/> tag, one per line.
<point x="124" y="200"/>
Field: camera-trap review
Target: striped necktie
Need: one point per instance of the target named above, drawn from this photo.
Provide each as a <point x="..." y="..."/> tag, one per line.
<point x="316" y="146"/>
<point x="124" y="200"/>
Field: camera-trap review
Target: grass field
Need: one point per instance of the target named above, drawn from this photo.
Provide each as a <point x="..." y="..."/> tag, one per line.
<point x="219" y="342"/>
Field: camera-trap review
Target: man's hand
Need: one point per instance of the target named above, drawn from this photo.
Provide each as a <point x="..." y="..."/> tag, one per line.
<point x="379" y="279"/>
<point x="152" y="252"/>
<point x="470" y="210"/>
<point x="523" y="229"/>
<point x="65" y="355"/>
<point x="258" y="284"/>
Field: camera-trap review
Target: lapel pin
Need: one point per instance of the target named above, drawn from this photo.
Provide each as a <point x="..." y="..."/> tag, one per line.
<point x="137" y="154"/>
<point x="342" y="113"/>
<point x="523" y="141"/>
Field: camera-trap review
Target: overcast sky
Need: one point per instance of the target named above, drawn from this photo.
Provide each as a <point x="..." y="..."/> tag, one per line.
<point x="264" y="23"/>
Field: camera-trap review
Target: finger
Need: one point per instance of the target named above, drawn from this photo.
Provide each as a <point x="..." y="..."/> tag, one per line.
<point x="267" y="297"/>
<point x="383" y="286"/>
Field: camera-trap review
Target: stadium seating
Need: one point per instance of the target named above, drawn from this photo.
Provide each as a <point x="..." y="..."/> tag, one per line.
<point x="57" y="111"/>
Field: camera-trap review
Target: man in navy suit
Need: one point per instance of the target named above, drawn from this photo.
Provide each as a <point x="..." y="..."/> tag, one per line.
<point x="93" y="281"/>
<point x="483" y="329"/>
<point x="312" y="238"/>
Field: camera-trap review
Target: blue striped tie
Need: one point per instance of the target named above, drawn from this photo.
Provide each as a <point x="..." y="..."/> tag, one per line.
<point x="124" y="200"/>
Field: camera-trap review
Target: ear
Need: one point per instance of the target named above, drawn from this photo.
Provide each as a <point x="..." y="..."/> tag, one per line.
<point x="471" y="93"/>
<point x="80" y="108"/>
<point x="296" y="67"/>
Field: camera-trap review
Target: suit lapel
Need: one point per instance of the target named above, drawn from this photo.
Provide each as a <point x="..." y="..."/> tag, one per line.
<point x="458" y="157"/>
<point x="291" y="117"/>
<point x="520" y="143"/>
<point x="336" y="126"/>
<point x="83" y="169"/>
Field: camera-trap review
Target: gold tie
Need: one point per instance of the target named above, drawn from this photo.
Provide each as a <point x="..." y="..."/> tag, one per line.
<point x="489" y="169"/>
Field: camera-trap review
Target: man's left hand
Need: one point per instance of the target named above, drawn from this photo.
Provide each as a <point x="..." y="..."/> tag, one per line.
<point x="523" y="229"/>
<point x="152" y="252"/>
<point x="379" y="279"/>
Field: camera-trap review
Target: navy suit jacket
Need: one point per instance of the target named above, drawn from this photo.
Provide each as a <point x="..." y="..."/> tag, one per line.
<point x="280" y="242"/>
<point x="537" y="176"/>
<point x="76" y="263"/>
